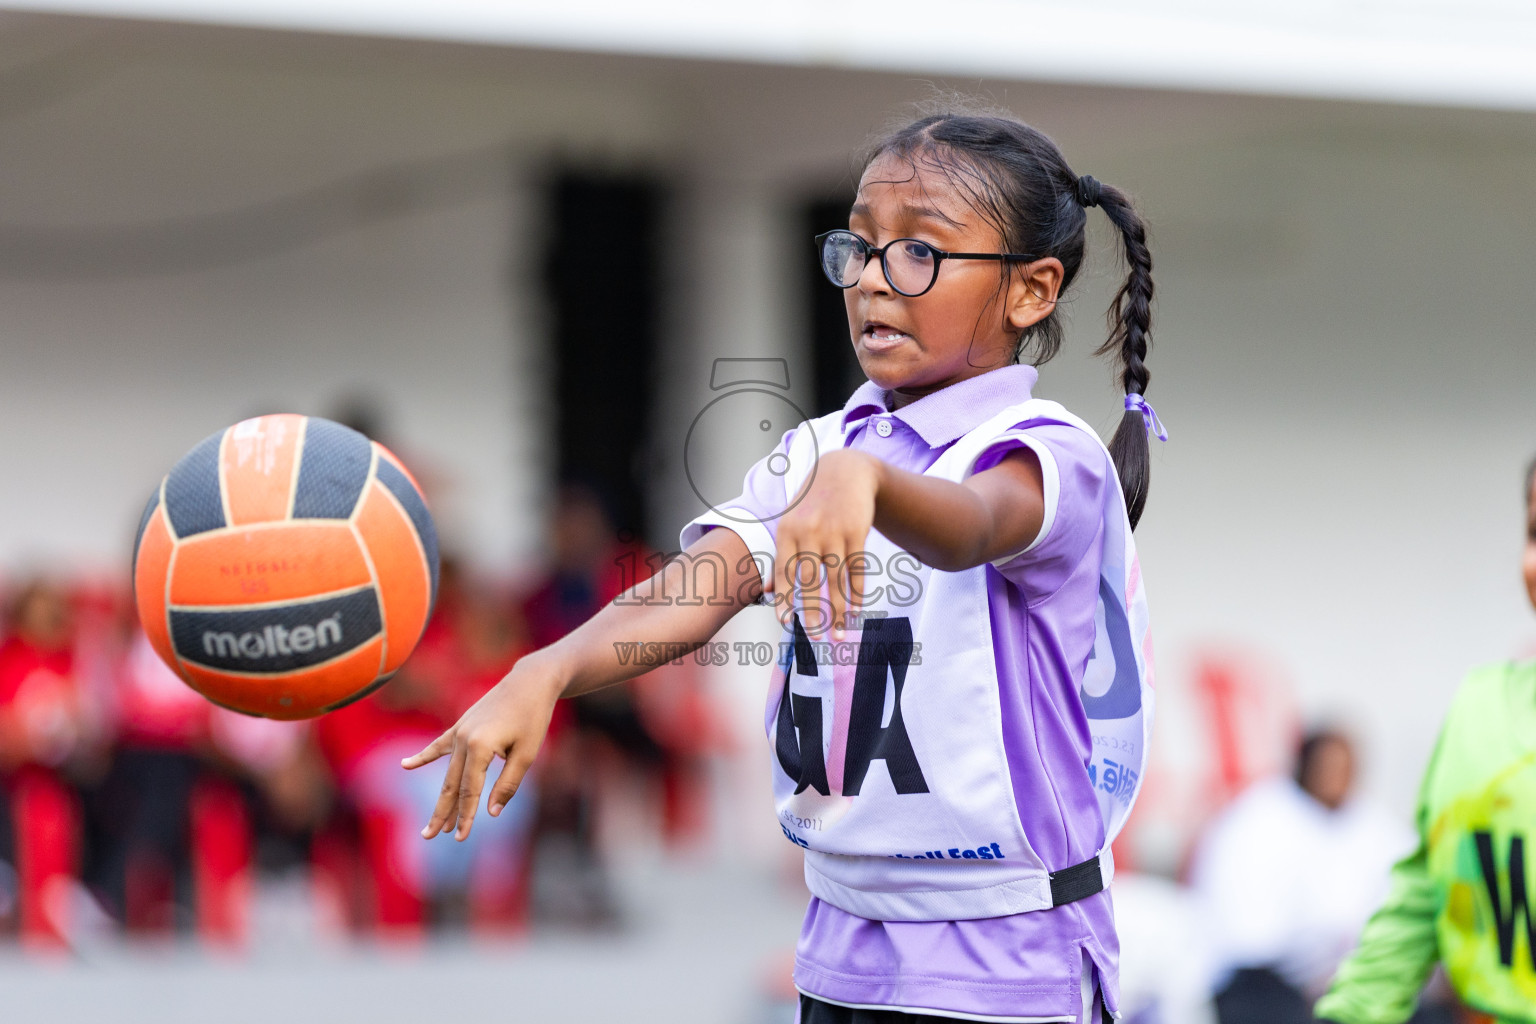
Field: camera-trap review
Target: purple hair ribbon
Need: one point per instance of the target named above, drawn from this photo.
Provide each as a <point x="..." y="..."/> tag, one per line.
<point x="1138" y="403"/>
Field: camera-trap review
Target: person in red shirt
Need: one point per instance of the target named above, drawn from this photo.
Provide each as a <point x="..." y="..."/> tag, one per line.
<point x="141" y="808"/>
<point x="470" y="639"/>
<point x="41" y="732"/>
<point x="188" y="785"/>
<point x="659" y="724"/>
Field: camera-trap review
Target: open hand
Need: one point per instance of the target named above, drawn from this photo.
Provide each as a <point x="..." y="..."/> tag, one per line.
<point x="829" y="523"/>
<point x="509" y="721"/>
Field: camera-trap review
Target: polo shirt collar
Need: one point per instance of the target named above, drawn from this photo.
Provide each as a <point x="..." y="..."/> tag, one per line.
<point x="948" y="413"/>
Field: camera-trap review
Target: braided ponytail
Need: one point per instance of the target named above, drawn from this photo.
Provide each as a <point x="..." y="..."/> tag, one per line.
<point x="1016" y="177"/>
<point x="1130" y="338"/>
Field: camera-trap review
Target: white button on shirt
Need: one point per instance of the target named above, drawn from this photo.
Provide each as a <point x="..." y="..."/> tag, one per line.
<point x="883" y="428"/>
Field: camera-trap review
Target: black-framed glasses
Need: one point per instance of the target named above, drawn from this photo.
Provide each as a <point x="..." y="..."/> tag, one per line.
<point x="911" y="267"/>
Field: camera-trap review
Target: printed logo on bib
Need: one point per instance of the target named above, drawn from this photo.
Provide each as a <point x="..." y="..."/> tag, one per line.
<point x="1111" y="695"/>
<point x="1111" y="683"/>
<point x="830" y="750"/>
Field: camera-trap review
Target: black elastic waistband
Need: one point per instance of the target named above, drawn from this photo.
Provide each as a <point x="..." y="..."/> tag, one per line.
<point x="1076" y="882"/>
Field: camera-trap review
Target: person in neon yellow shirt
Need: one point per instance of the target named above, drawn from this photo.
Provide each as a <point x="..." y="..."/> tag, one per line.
<point x="1466" y="896"/>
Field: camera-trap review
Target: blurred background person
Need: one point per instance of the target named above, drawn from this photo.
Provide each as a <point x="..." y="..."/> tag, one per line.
<point x="45" y="747"/>
<point x="143" y="867"/>
<point x="195" y="799"/>
<point x="1284" y="878"/>
<point x="190" y="798"/>
<point x="476" y="635"/>
<point x="1458" y="899"/>
<point x="470" y="641"/>
<point x="658" y="727"/>
<point x="264" y="795"/>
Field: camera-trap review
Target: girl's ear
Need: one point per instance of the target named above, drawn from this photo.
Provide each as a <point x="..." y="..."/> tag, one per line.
<point x="1033" y="294"/>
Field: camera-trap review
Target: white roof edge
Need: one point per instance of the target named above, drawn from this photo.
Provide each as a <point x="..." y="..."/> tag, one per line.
<point x="1478" y="53"/>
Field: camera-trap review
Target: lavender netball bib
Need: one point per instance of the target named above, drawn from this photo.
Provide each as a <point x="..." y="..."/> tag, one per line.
<point x="889" y="765"/>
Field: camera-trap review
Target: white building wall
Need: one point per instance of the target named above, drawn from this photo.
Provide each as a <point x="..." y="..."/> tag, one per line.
<point x="104" y="385"/>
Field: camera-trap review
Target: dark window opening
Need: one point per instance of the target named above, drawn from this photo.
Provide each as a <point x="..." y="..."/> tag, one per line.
<point x="603" y="274"/>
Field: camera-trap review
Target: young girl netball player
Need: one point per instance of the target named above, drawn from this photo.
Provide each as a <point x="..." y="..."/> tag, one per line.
<point x="958" y="718"/>
<point x="1464" y="897"/>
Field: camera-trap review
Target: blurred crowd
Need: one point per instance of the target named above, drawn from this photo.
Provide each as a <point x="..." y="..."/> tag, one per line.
<point x="133" y="805"/>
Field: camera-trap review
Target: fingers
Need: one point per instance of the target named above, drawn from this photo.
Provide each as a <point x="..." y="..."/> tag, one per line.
<point x="849" y="585"/>
<point x="786" y="582"/>
<point x="837" y="595"/>
<point x="815" y="615"/>
<point x="511" y="777"/>
<point x="434" y="750"/>
<point x="787" y="576"/>
<point x="805" y="566"/>
<point x="471" y="782"/>
<point x="447" y="798"/>
<point x="857" y="587"/>
<point x="802" y="574"/>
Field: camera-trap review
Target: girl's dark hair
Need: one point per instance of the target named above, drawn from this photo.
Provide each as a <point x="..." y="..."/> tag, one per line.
<point x="1016" y="177"/>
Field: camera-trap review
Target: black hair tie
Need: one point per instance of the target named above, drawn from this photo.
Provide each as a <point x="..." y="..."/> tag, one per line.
<point x="1088" y="189"/>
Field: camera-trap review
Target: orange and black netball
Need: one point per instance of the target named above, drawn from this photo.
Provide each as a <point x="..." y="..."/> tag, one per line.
<point x="286" y="566"/>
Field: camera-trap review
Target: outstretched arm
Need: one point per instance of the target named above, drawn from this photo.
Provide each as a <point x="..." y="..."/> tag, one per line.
<point x="657" y="620"/>
<point x="1379" y="982"/>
